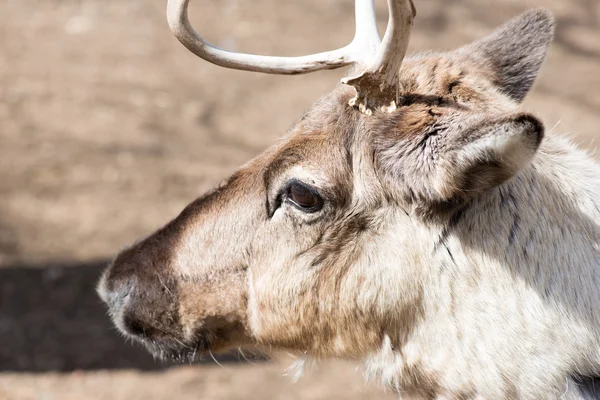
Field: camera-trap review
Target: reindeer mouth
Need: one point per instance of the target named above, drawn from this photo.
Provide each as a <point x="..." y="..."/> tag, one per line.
<point x="173" y="349"/>
<point x="170" y="348"/>
<point x="173" y="346"/>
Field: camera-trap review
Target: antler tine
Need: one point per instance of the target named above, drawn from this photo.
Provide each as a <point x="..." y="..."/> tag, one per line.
<point x="363" y="45"/>
<point x="366" y="37"/>
<point x="377" y="86"/>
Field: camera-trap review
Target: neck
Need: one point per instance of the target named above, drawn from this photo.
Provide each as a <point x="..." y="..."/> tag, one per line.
<point x="511" y="285"/>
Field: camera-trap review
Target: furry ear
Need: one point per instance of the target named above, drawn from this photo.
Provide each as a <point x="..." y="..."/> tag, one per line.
<point x="494" y="152"/>
<point x="516" y="51"/>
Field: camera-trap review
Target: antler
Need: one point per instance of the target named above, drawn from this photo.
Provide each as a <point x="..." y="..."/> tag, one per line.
<point x="376" y="86"/>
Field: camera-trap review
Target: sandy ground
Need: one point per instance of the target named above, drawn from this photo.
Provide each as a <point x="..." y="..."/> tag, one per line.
<point x="109" y="127"/>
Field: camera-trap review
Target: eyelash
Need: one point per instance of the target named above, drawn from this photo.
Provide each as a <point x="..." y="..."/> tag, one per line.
<point x="284" y="195"/>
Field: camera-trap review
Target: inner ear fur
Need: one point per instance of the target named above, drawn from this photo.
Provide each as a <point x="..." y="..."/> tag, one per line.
<point x="487" y="155"/>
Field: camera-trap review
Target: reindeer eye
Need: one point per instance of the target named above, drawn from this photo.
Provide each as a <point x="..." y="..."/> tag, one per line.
<point x="304" y="197"/>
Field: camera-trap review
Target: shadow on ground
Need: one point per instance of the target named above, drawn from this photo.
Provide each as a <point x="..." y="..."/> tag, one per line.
<point x="52" y="320"/>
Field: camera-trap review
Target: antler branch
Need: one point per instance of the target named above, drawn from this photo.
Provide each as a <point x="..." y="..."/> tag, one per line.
<point x="375" y="86"/>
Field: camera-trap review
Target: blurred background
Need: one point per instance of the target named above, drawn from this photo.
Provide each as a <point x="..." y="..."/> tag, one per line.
<point x="109" y="127"/>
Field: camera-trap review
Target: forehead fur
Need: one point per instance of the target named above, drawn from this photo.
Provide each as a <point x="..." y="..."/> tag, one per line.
<point x="320" y="141"/>
<point x="428" y="83"/>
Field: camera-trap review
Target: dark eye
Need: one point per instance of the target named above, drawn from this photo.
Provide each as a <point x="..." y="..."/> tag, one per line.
<point x="304" y="197"/>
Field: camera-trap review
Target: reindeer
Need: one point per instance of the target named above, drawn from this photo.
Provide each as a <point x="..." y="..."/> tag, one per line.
<point x="413" y="219"/>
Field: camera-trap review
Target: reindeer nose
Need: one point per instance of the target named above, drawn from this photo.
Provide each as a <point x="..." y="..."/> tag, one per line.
<point x="120" y="291"/>
<point x="118" y="282"/>
<point x="116" y="291"/>
<point x="136" y="293"/>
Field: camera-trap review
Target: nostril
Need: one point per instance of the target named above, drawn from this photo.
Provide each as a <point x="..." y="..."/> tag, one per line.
<point x="136" y="327"/>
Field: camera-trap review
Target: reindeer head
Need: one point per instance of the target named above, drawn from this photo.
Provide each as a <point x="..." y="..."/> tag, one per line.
<point x="320" y="244"/>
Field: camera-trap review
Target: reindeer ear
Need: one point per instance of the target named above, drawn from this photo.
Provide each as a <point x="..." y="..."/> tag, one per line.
<point x="487" y="155"/>
<point x="516" y="51"/>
